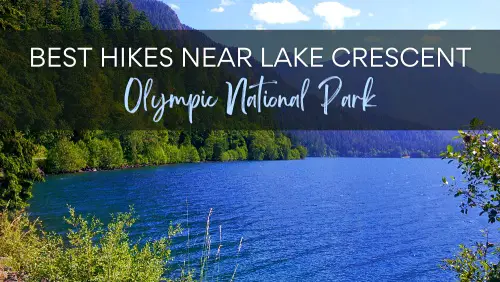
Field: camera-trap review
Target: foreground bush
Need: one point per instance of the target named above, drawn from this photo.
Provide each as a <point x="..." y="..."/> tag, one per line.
<point x="477" y="156"/>
<point x="89" y="251"/>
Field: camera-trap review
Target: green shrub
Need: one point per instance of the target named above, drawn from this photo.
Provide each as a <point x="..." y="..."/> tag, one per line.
<point x="215" y="145"/>
<point x="283" y="147"/>
<point x="172" y="154"/>
<point x="189" y="154"/>
<point x="302" y="151"/>
<point x="65" y="156"/>
<point x="155" y="154"/>
<point x="263" y="146"/>
<point x="225" y="157"/>
<point x="92" y="252"/>
<point x="106" y="154"/>
<point x="478" y="159"/>
<point x="111" y="154"/>
<point x="93" y="153"/>
<point x="294" y="154"/>
<point x="242" y="153"/>
<point x="234" y="155"/>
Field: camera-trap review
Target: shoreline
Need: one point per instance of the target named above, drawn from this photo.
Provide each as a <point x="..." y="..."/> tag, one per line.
<point x="137" y="166"/>
<point x="127" y="167"/>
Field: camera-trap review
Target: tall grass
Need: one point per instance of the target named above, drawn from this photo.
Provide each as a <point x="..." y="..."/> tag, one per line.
<point x="92" y="251"/>
<point x="209" y="261"/>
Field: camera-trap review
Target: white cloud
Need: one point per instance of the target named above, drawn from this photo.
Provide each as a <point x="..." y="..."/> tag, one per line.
<point x="223" y="3"/>
<point x="334" y="13"/>
<point x="473" y="27"/>
<point x="438" y="25"/>
<point x="174" y="7"/>
<point x="226" y="2"/>
<point x="217" y="10"/>
<point x="260" y="27"/>
<point x="371" y="14"/>
<point x="283" y="12"/>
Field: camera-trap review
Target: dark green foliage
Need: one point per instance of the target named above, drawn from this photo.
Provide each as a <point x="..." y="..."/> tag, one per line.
<point x="121" y="15"/>
<point x="108" y="15"/>
<point x="10" y="15"/>
<point x="215" y="145"/>
<point x="17" y="169"/>
<point x="90" y="15"/>
<point x="125" y="13"/>
<point x="71" y="15"/>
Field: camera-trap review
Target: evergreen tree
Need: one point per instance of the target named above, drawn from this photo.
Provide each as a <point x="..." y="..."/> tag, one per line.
<point x="90" y="15"/>
<point x="108" y="15"/>
<point x="125" y="13"/>
<point x="141" y="22"/>
<point x="71" y="15"/>
<point x="10" y="15"/>
<point x="52" y="11"/>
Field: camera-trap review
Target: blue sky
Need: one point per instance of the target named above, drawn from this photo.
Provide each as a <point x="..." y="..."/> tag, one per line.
<point x="348" y="14"/>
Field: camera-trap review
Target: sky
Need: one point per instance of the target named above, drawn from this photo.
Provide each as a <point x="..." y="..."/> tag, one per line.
<point x="348" y="14"/>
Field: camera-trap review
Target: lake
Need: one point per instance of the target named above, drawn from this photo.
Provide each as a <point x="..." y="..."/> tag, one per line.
<point x="319" y="219"/>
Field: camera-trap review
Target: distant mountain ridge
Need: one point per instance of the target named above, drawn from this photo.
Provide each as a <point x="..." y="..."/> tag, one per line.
<point x="422" y="87"/>
<point x="434" y="97"/>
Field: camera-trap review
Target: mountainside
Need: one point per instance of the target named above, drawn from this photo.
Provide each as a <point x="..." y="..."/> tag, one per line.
<point x="407" y="98"/>
<point x="160" y="15"/>
<point x="441" y="98"/>
<point x="394" y="144"/>
<point x="345" y="143"/>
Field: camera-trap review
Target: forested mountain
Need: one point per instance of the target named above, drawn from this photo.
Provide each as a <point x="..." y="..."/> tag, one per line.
<point x="331" y="143"/>
<point x="70" y="101"/>
<point x="394" y="144"/>
<point x="146" y="14"/>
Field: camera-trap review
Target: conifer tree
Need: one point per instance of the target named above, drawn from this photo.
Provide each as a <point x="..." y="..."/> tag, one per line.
<point x="141" y="22"/>
<point x="10" y="15"/>
<point x="71" y="15"/>
<point x="90" y="15"/>
<point x="108" y="15"/>
<point x="125" y="13"/>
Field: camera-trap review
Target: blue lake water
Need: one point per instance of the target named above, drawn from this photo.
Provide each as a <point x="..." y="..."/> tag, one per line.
<point x="313" y="220"/>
